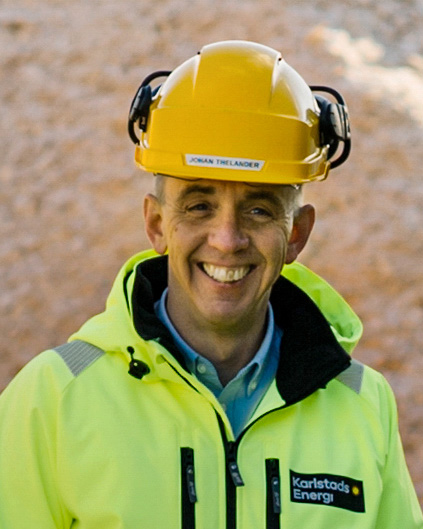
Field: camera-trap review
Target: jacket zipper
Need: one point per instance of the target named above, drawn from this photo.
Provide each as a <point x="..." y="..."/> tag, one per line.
<point x="233" y="480"/>
<point x="188" y="490"/>
<point x="273" y="494"/>
<point x="233" y="475"/>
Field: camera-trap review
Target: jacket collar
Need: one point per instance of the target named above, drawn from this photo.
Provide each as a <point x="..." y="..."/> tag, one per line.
<point x="310" y="354"/>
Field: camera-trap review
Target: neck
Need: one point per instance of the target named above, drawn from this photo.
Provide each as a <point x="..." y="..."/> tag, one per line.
<point x="229" y="348"/>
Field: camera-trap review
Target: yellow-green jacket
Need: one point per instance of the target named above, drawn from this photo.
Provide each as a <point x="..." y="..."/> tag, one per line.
<point x="85" y="444"/>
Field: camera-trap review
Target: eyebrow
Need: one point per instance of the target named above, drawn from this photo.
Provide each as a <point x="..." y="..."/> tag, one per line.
<point x="265" y="195"/>
<point x="196" y="188"/>
<point x="259" y="194"/>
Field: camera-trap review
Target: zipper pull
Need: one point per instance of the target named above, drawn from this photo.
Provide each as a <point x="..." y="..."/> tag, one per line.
<point x="276" y="495"/>
<point x="192" y="493"/>
<point x="274" y="500"/>
<point x="233" y="466"/>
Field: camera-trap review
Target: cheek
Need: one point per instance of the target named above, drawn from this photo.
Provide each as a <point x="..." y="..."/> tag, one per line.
<point x="275" y="249"/>
<point x="186" y="234"/>
<point x="177" y="226"/>
<point x="173" y="234"/>
<point x="182" y="242"/>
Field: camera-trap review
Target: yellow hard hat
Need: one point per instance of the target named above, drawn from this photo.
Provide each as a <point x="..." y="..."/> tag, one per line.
<point x="237" y="111"/>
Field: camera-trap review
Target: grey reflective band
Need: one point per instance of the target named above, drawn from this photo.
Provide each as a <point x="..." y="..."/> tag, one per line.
<point x="352" y="376"/>
<point x="78" y="355"/>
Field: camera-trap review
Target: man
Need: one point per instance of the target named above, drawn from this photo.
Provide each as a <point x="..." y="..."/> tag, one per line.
<point x="214" y="392"/>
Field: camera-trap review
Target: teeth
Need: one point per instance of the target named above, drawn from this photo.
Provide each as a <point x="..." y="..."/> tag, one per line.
<point x="224" y="274"/>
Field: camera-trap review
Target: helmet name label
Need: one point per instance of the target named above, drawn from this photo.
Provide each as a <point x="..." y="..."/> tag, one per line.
<point x="224" y="162"/>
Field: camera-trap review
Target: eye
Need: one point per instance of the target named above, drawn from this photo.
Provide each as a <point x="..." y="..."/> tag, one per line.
<point x="202" y="206"/>
<point x="260" y="212"/>
<point x="198" y="208"/>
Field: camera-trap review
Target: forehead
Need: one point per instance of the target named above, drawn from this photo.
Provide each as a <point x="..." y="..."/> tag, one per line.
<point x="179" y="189"/>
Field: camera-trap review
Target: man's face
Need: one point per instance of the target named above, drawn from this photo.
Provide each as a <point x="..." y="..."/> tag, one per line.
<point x="227" y="243"/>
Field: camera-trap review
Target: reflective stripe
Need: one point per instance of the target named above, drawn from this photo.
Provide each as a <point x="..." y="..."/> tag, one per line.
<point x="78" y="355"/>
<point x="352" y="376"/>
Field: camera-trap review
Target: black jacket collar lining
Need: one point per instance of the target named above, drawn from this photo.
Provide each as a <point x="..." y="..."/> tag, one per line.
<point x="150" y="282"/>
<point x="310" y="353"/>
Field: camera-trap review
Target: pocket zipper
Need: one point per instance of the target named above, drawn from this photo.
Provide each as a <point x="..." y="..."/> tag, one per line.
<point x="188" y="490"/>
<point x="273" y="494"/>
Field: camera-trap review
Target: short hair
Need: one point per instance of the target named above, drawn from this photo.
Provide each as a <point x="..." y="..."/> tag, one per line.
<point x="159" y="180"/>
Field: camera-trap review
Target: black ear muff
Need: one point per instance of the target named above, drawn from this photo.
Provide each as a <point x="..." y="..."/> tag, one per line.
<point x="334" y="124"/>
<point x="140" y="106"/>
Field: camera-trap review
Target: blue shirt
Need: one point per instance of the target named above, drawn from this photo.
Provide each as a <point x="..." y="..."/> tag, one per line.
<point x="241" y="396"/>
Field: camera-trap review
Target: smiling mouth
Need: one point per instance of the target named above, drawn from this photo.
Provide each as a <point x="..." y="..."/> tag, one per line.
<point x="223" y="274"/>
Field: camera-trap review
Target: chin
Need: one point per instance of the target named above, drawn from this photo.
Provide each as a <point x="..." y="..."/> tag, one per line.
<point x="224" y="317"/>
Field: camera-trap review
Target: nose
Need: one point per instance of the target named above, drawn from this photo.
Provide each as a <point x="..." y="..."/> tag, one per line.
<point x="227" y="234"/>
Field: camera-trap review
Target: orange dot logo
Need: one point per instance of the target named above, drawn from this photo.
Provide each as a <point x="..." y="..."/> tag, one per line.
<point x="356" y="491"/>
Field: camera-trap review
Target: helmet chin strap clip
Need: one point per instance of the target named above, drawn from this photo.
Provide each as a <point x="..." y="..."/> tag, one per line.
<point x="140" y="106"/>
<point x="334" y="124"/>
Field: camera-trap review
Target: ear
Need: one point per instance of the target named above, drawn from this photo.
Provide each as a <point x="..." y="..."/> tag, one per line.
<point x="303" y="224"/>
<point x="153" y="221"/>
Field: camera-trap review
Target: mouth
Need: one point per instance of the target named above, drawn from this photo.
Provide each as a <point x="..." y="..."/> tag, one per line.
<point x="224" y="274"/>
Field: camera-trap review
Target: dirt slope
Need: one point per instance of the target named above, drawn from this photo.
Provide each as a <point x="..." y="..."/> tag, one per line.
<point x="70" y="196"/>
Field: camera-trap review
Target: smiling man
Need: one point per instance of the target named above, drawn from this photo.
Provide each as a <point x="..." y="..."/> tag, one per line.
<point x="217" y="390"/>
<point x="227" y="244"/>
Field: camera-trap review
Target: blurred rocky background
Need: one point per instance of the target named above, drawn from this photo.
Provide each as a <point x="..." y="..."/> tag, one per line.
<point x="70" y="195"/>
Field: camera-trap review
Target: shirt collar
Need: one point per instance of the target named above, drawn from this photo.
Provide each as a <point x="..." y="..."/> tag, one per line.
<point x="193" y="359"/>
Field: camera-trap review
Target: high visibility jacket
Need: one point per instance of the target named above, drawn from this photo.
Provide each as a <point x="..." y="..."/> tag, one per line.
<point x="110" y="431"/>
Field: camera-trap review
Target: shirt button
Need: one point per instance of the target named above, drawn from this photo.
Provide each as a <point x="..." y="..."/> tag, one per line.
<point x="253" y="386"/>
<point x="201" y="368"/>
